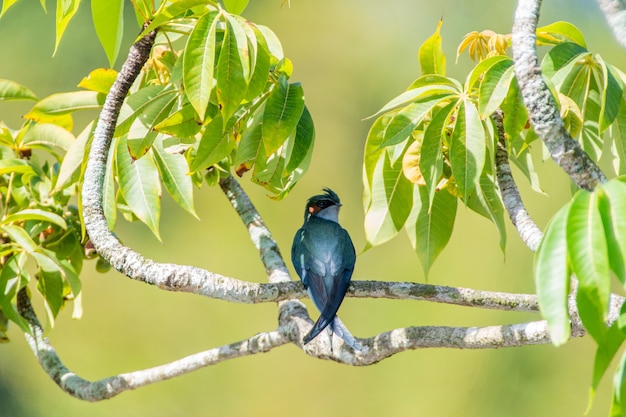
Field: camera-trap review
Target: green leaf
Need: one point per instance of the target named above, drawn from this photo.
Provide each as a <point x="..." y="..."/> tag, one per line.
<point x="303" y="143"/>
<point x="431" y="158"/>
<point x="100" y="80"/>
<point x="18" y="166"/>
<point x="233" y="67"/>
<point x="66" y="9"/>
<point x="20" y="237"/>
<point x="173" y="169"/>
<point x="5" y="6"/>
<point x="482" y="67"/>
<point x="552" y="277"/>
<point x="50" y="285"/>
<point x="235" y="6"/>
<point x="467" y="148"/>
<point x="515" y="113"/>
<point x="12" y="278"/>
<point x="215" y="145"/>
<point x="406" y="120"/>
<point x="34" y="214"/>
<point x="560" y="56"/>
<point x="486" y="201"/>
<point x="430" y="230"/>
<point x="618" y="147"/>
<point x="431" y="57"/>
<point x="261" y="60"/>
<point x="141" y="133"/>
<point x="73" y="158"/>
<point x="199" y="62"/>
<point x="618" y="407"/>
<point x="391" y="202"/>
<point x="140" y="186"/>
<point x="10" y="90"/>
<point x="108" y="20"/>
<point x="414" y="94"/>
<point x="612" y="205"/>
<point x="171" y="11"/>
<point x="64" y="103"/>
<point x="182" y="123"/>
<point x="559" y="32"/>
<point x="250" y="146"/>
<point x="146" y="105"/>
<point x="494" y="87"/>
<point x="283" y="109"/>
<point x="611" y="95"/>
<point x="604" y="355"/>
<point x="588" y="255"/>
<point x="47" y="135"/>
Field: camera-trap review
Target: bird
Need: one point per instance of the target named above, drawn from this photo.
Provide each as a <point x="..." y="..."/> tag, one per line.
<point x="323" y="256"/>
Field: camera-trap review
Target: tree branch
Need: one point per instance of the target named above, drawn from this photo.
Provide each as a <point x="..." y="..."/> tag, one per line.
<point x="542" y="109"/>
<point x="615" y="13"/>
<point x="529" y="232"/>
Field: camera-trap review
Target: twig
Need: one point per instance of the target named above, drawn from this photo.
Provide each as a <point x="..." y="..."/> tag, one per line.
<point x="544" y="114"/>
<point x="529" y="232"/>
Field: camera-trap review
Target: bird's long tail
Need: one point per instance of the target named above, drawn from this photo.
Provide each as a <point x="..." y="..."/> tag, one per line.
<point x="342" y="331"/>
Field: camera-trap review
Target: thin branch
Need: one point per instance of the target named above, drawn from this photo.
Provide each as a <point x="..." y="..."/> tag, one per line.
<point x="529" y="232"/>
<point x="542" y="109"/>
<point x="109" y="387"/>
<point x="615" y="13"/>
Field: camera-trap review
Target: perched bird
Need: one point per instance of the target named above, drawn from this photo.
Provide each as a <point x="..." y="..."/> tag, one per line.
<point x="324" y="257"/>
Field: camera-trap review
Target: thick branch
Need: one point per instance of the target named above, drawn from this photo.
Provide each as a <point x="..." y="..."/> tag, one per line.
<point x="109" y="387"/>
<point x="526" y="227"/>
<point x="615" y="13"/>
<point x="542" y="109"/>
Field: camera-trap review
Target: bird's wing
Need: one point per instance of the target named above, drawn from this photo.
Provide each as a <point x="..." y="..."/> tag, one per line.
<point x="310" y="269"/>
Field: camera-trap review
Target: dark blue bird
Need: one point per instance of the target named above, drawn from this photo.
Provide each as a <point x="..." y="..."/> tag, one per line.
<point x="324" y="257"/>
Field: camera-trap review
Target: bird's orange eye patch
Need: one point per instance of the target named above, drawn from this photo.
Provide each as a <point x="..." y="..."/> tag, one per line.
<point x="314" y="209"/>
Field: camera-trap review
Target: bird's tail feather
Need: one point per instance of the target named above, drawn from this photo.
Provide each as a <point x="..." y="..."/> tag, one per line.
<point x="342" y="331"/>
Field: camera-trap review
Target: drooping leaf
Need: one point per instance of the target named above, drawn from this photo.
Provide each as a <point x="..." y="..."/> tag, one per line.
<point x="215" y="144"/>
<point x="169" y="11"/>
<point x="12" y="278"/>
<point x="560" y="32"/>
<point x="108" y="20"/>
<point x="109" y="204"/>
<point x="486" y="201"/>
<point x="467" y="148"/>
<point x="73" y="158"/>
<point x="391" y="201"/>
<point x="140" y="186"/>
<point x="199" y="62"/>
<point x="612" y="206"/>
<point x="283" y="109"/>
<point x="482" y="67"/>
<point x="173" y="169"/>
<point x="20" y="237"/>
<point x="430" y="230"/>
<point x="414" y="94"/>
<point x="560" y="56"/>
<point x="406" y="120"/>
<point x="66" y="9"/>
<point x="50" y="285"/>
<point x="182" y="123"/>
<point x="494" y="87"/>
<point x="431" y="159"/>
<point x="431" y="57"/>
<point x="588" y="255"/>
<point x="552" y="276"/>
<point x="233" y="67"/>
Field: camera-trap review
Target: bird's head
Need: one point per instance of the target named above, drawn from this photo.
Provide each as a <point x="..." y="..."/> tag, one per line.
<point x="325" y="206"/>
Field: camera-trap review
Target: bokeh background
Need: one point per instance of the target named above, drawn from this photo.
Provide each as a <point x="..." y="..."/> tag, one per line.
<point x="351" y="56"/>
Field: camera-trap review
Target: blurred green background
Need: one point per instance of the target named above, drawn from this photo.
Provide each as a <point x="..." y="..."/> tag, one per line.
<point x="351" y="56"/>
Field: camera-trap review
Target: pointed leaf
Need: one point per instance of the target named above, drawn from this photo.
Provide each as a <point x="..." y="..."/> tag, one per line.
<point x="64" y="103"/>
<point x="552" y="278"/>
<point x="235" y="6"/>
<point x="100" y="80"/>
<point x="20" y="237"/>
<point x="406" y="120"/>
<point x="431" y="57"/>
<point x="588" y="255"/>
<point x="108" y="20"/>
<point x="612" y="205"/>
<point x="48" y="135"/>
<point x="199" y="62"/>
<point x="430" y="230"/>
<point x="73" y="158"/>
<point x="139" y="184"/>
<point x="283" y="109"/>
<point x="414" y="94"/>
<point x="467" y="148"/>
<point x="494" y="87"/>
<point x="391" y="201"/>
<point x="34" y="214"/>
<point x="173" y="169"/>
<point x="215" y="145"/>
<point x="233" y="67"/>
<point x="66" y="9"/>
<point x="559" y="32"/>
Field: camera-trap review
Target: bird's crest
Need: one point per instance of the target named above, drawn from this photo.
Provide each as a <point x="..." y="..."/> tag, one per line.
<point x="321" y="201"/>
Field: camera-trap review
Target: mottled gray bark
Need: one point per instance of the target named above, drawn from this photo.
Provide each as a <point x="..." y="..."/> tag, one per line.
<point x="615" y="13"/>
<point x="542" y="109"/>
<point x="529" y="232"/>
